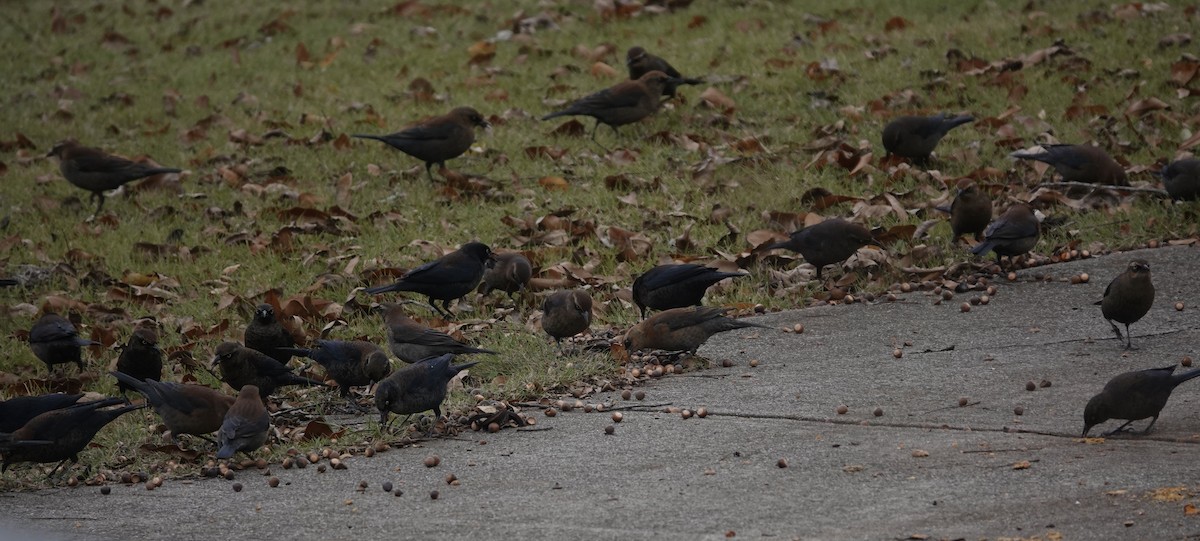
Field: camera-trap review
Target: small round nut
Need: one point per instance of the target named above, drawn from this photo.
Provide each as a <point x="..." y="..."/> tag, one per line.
<point x="842" y="409"/>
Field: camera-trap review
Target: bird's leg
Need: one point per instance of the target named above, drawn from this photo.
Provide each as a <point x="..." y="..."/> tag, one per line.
<point x="1151" y="425"/>
<point x="437" y="416"/>
<point x="1128" y="339"/>
<point x="445" y="309"/>
<point x="1117" y="429"/>
<point x="1116" y="330"/>
<point x="51" y="474"/>
<point x="429" y="170"/>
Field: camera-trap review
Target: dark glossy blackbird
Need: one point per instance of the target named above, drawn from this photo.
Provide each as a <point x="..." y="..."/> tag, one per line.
<point x="508" y="272"/>
<point x="624" y="103"/>
<point x="55" y="340"/>
<point x="915" y="137"/>
<point x="682" y="329"/>
<point x="831" y="241"/>
<point x="266" y="334"/>
<point x="245" y="426"/>
<point x="1182" y="179"/>
<point x="1014" y="233"/>
<point x="59" y="435"/>
<point x="97" y="171"/>
<point x="350" y="363"/>
<point x="566" y="314"/>
<point x="17" y="411"/>
<point x="447" y="278"/>
<point x="1133" y="396"/>
<point x="438" y="139"/>
<point x="411" y="341"/>
<point x="140" y="358"/>
<point x="1128" y="298"/>
<point x="675" y="286"/>
<point x="641" y="62"/>
<point x="418" y="387"/>
<point x="971" y="210"/>
<point x="242" y="366"/>
<point x="186" y="408"/>
<point x="1079" y="163"/>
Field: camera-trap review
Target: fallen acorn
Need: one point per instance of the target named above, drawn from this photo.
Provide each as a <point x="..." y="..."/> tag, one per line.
<point x="432" y="461"/>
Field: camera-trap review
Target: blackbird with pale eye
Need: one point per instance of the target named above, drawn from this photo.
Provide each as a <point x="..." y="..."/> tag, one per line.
<point x="140" y="358"/>
<point x="418" y="387"/>
<point x="447" y="278"/>
<point x="831" y="241"/>
<point x="242" y="366"/>
<point x="266" y="334"/>
<point x="1182" y="179"/>
<point x="350" y="363"/>
<point x="55" y="340"/>
<point x="915" y="137"/>
<point x="675" y="286"/>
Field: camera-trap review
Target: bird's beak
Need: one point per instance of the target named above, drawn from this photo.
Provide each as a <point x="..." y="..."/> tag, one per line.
<point x="215" y="361"/>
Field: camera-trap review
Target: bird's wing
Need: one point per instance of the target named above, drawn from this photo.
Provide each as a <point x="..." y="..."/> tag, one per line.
<point x="437" y="131"/>
<point x="54" y="330"/>
<point x="98" y="162"/>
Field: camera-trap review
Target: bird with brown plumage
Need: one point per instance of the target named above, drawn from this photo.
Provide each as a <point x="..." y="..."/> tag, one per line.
<point x="185" y="408"/>
<point x="566" y="314"/>
<point x="1128" y="298"/>
<point x="508" y="272"/>
<point x="971" y="211"/>
<point x="97" y="171"/>
<point x="1014" y="233"/>
<point x="624" y="103"/>
<point x="641" y="62"/>
<point x="682" y="329"/>
<point x="437" y="139"/>
<point x="411" y="341"/>
<point x="246" y="424"/>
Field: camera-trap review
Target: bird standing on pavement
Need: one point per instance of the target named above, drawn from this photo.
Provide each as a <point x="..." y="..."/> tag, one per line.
<point x="447" y="278"/>
<point x="266" y="334"/>
<point x="675" y="286"/>
<point x="242" y="366"/>
<point x="1079" y="163"/>
<point x="682" y="329"/>
<point x="566" y="314"/>
<point x="245" y="426"/>
<point x="624" y="103"/>
<point x="915" y="137"/>
<point x="418" y="387"/>
<point x="971" y="210"/>
<point x="508" y="272"/>
<point x="1182" y="179"/>
<point x="55" y="340"/>
<point x="140" y="357"/>
<point x="1128" y="298"/>
<point x="1133" y="396"/>
<point x="438" y="139"/>
<point x="186" y="408"/>
<point x="641" y="62"/>
<point x="97" y="171"/>
<point x="59" y="435"/>
<point x="831" y="241"/>
<point x="1014" y="233"/>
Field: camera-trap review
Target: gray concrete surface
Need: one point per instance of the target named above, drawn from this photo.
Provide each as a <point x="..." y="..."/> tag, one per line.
<point x="852" y="476"/>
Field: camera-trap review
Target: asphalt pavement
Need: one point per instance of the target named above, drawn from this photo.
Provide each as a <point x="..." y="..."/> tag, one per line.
<point x="773" y="459"/>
